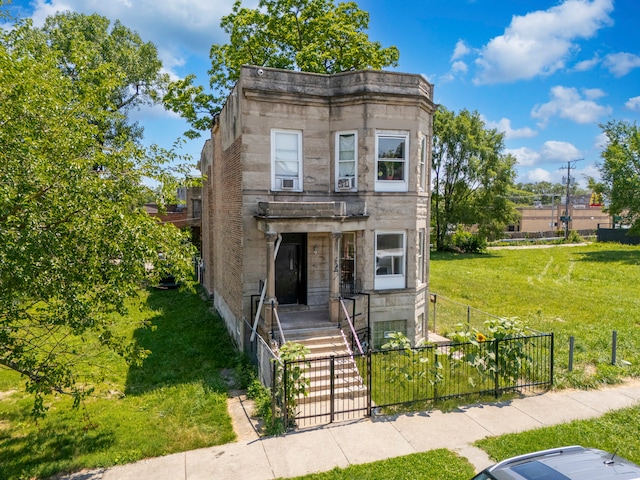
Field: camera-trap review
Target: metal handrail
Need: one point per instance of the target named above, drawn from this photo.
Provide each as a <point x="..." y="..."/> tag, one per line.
<point x="353" y="330"/>
<point x="275" y="314"/>
<point x="264" y="292"/>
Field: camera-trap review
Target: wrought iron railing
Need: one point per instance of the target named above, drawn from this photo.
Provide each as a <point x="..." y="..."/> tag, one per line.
<point x="416" y="378"/>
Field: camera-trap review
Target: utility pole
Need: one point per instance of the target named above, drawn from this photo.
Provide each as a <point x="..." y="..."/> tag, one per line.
<point x="566" y="218"/>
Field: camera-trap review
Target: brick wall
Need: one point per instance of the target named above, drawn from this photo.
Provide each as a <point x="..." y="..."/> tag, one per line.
<point x="226" y="221"/>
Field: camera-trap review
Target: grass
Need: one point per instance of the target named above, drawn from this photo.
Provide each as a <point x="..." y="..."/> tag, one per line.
<point x="175" y="401"/>
<point x="433" y="465"/>
<point x="617" y="431"/>
<point x="585" y="291"/>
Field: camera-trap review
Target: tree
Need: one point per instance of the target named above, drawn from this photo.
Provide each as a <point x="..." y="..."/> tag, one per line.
<point x="75" y="241"/>
<point x="471" y="177"/>
<point x="620" y="172"/>
<point x="307" y="35"/>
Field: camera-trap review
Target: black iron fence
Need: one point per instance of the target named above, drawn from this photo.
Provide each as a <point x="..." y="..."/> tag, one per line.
<point x="336" y="389"/>
<point x="353" y="386"/>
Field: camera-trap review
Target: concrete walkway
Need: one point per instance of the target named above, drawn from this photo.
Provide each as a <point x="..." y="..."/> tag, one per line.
<point x="363" y="441"/>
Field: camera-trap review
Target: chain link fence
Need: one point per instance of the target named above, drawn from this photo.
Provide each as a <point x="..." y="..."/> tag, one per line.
<point x="445" y="316"/>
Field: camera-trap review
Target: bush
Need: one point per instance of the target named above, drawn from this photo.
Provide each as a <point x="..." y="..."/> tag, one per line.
<point x="467" y="242"/>
<point x="245" y="371"/>
<point x="574" y="237"/>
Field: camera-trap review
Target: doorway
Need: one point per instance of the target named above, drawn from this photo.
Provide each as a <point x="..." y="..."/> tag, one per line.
<point x="291" y="269"/>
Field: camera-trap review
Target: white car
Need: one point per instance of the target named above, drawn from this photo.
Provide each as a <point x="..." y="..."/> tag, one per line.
<point x="565" y="463"/>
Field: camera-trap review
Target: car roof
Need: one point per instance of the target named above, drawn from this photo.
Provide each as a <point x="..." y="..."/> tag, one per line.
<point x="566" y="463"/>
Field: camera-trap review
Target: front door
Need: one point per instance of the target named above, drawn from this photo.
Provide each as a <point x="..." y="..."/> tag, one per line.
<point x="291" y="269"/>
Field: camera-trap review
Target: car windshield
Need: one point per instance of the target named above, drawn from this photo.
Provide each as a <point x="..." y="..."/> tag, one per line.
<point x="538" y="471"/>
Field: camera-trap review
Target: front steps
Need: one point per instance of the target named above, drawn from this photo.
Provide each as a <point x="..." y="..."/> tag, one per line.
<point x="340" y="396"/>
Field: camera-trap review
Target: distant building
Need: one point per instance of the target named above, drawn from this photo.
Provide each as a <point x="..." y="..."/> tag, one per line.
<point x="547" y="220"/>
<point x="174" y="214"/>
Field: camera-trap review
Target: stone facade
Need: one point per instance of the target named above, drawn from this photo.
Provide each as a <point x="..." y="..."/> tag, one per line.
<point x="331" y="171"/>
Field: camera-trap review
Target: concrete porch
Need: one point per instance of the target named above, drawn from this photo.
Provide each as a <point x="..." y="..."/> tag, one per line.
<point x="299" y="322"/>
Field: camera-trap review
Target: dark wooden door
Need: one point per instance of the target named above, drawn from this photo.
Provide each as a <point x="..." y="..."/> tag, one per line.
<point x="290" y="270"/>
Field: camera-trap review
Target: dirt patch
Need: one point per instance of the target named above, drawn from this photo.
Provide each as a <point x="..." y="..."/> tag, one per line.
<point x="245" y="425"/>
<point x="6" y="394"/>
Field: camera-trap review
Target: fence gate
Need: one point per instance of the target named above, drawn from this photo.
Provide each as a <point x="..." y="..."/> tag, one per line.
<point x="336" y="390"/>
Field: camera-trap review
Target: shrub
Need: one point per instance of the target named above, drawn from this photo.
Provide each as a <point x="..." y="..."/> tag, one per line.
<point x="467" y="242"/>
<point x="245" y="371"/>
<point x="574" y="237"/>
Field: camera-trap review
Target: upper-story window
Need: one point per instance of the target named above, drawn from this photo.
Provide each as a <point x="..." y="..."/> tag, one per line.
<point x="392" y="161"/>
<point x="286" y="160"/>
<point x="346" y="161"/>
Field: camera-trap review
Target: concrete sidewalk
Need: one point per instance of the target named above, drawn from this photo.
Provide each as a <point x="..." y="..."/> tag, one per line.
<point x="363" y="441"/>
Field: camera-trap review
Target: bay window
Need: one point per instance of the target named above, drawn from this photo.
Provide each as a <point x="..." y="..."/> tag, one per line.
<point x="390" y="260"/>
<point x="392" y="161"/>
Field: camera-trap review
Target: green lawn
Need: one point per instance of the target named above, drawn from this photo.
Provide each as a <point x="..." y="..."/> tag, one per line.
<point x="175" y="401"/>
<point x="617" y="431"/>
<point x="586" y="292"/>
<point x="433" y="465"/>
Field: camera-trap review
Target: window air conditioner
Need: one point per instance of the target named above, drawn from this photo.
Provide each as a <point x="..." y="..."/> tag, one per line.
<point x="287" y="183"/>
<point x="346" y="183"/>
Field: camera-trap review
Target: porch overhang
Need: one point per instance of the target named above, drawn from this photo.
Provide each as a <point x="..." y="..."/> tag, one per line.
<point x="284" y="217"/>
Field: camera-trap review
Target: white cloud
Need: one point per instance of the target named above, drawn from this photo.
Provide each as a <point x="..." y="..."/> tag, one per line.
<point x="586" y="65"/>
<point x="589" y="171"/>
<point x="556" y="151"/>
<point x="593" y="93"/>
<point x="552" y="151"/>
<point x="621" y="63"/>
<point x="459" y="67"/>
<point x="601" y="141"/>
<point x="460" y="51"/>
<point x="633" y="104"/>
<point x="571" y="104"/>
<point x="525" y="156"/>
<point x="446" y="78"/>
<point x="178" y="28"/>
<point x="504" y="125"/>
<point x="537" y="175"/>
<point x="540" y="42"/>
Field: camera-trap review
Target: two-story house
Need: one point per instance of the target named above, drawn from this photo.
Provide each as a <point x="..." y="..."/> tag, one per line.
<point x="317" y="189"/>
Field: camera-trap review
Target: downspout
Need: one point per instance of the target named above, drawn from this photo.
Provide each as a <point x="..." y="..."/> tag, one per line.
<point x="264" y="292"/>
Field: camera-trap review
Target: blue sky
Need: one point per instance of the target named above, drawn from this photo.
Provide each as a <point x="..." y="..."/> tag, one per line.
<point x="546" y="72"/>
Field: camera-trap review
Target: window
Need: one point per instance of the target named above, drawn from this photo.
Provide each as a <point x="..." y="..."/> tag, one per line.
<point x="422" y="167"/>
<point x="382" y="331"/>
<point x="348" y="263"/>
<point x="390" y="260"/>
<point x="286" y="160"/>
<point x="420" y="256"/>
<point x="392" y="161"/>
<point x="346" y="161"/>
<point x="196" y="205"/>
